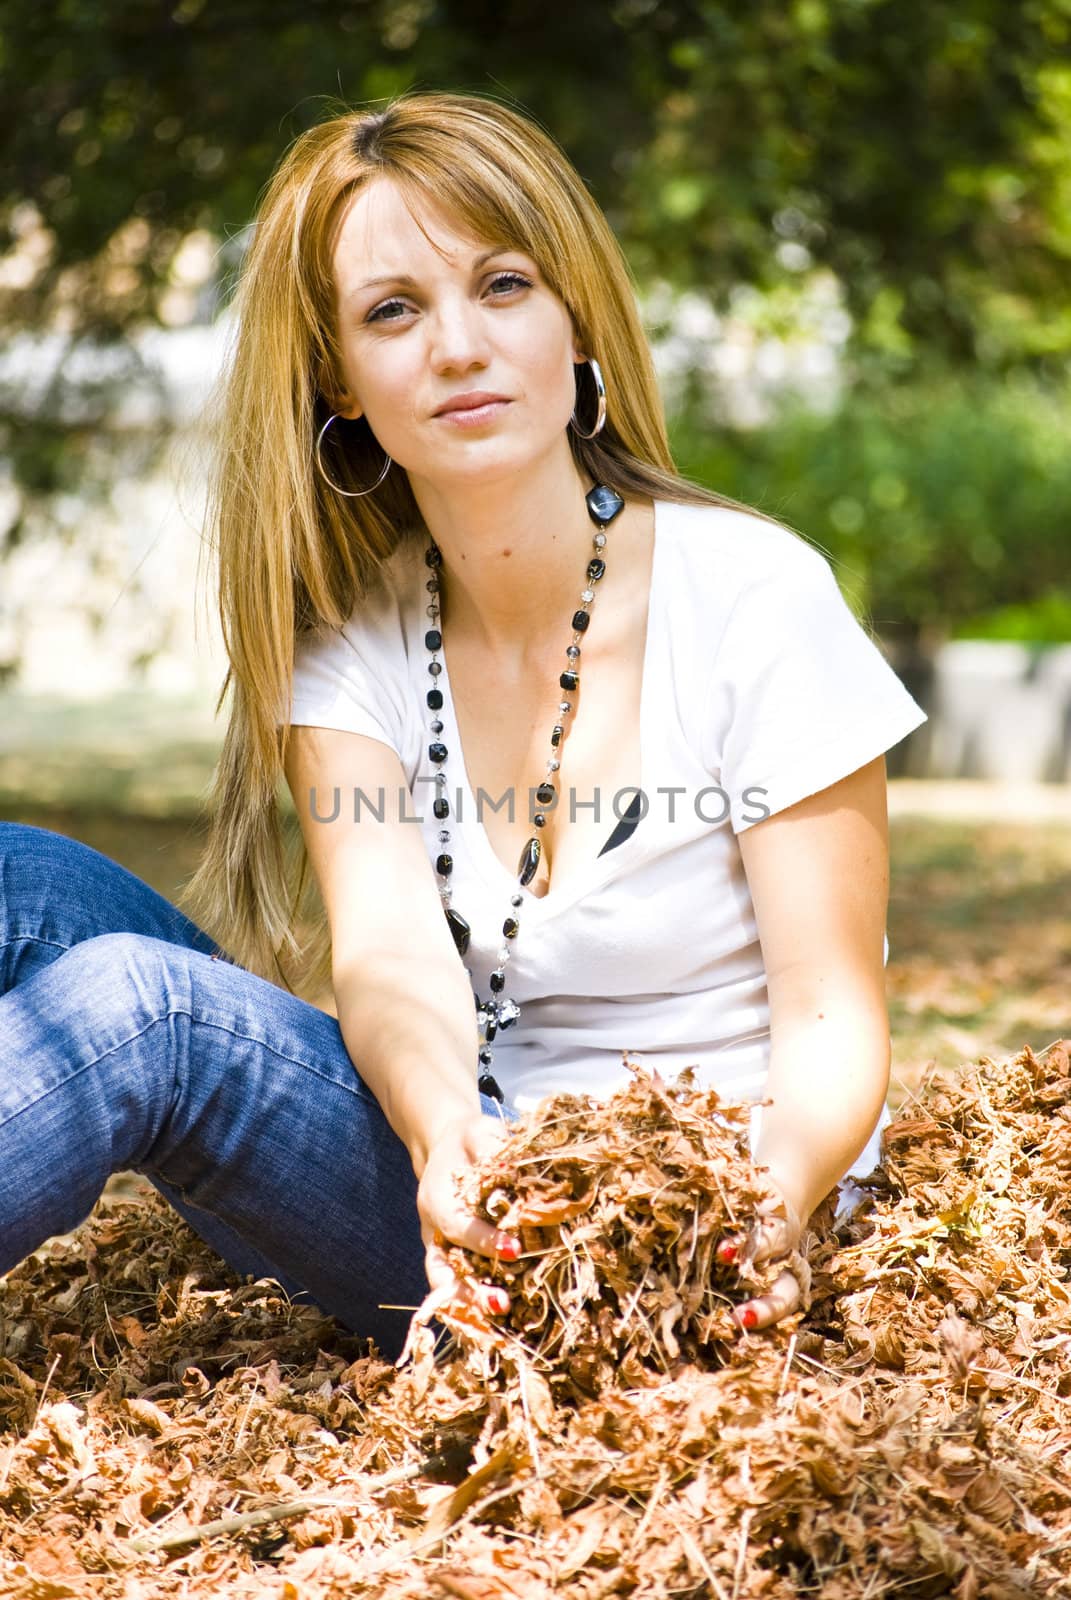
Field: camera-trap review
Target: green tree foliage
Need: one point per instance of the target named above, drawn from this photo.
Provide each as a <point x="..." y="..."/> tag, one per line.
<point x="920" y="149"/>
<point x="938" y="502"/>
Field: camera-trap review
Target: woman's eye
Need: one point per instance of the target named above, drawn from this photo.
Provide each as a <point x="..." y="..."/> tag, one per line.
<point x="388" y="305"/>
<point x="511" y="280"/>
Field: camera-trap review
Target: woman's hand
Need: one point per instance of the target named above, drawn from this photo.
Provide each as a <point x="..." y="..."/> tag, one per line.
<point x="774" y="1234"/>
<point x="444" y="1220"/>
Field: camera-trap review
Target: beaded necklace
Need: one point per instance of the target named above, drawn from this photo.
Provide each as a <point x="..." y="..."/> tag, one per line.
<point x="496" y="1012"/>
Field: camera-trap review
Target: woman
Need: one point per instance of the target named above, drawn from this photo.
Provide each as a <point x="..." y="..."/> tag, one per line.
<point x="442" y="433"/>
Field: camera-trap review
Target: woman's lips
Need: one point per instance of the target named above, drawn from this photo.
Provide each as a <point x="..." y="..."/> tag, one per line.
<point x="473" y="416"/>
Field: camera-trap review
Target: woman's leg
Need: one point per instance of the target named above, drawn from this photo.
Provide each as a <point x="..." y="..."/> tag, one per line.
<point x="56" y="892"/>
<point x="125" y="1050"/>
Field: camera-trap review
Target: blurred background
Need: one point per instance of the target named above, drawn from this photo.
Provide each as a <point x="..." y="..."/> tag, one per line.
<point x="850" y="227"/>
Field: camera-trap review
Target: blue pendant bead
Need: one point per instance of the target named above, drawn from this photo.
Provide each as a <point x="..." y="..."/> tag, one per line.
<point x="497" y="1012"/>
<point x="604" y="504"/>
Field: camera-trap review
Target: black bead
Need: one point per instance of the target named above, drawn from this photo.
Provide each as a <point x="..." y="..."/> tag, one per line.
<point x="596" y="568"/>
<point x="433" y="639"/>
<point x="580" y="621"/>
<point x="529" y="862"/>
<point x="539" y="820"/>
<point x="509" y="927"/>
<point x="497" y="980"/>
<point x="460" y="931"/>
<point x="570" y="680"/>
<point x="433" y="556"/>
<point x="490" y="1028"/>
<point x="435" y="699"/>
<point x="444" y="865"/>
<point x="556" y="736"/>
<point x="437" y="752"/>
<point x="440" y="809"/>
<point x="545" y="793"/>
<point x="486" y="1056"/>
<point x="604" y="503"/>
<point x="488" y="1085"/>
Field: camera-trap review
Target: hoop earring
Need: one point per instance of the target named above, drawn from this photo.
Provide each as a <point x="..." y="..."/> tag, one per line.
<point x="596" y="373"/>
<point x="348" y="494"/>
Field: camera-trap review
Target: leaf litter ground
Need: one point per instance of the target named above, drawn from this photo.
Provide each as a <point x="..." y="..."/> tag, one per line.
<point x="174" y="1430"/>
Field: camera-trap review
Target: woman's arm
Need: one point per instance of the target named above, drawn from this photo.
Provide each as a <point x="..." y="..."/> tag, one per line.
<point x="404" y="1003"/>
<point x="818" y="874"/>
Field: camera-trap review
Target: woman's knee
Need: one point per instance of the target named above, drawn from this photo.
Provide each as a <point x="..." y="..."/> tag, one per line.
<point x="23" y="843"/>
<point x="34" y="863"/>
<point x="140" y="975"/>
<point x="101" y="995"/>
<point x="46" y="875"/>
<point x="56" y="892"/>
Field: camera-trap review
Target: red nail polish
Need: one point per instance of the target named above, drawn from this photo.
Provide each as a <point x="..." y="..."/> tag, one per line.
<point x="728" y="1252"/>
<point x="749" y="1317"/>
<point x="500" y="1301"/>
<point x="505" y="1246"/>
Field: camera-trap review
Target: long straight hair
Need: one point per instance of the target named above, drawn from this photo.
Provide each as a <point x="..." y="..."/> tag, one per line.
<point x="292" y="555"/>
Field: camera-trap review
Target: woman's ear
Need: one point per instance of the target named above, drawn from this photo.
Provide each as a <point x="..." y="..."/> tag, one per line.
<point x="344" y="405"/>
<point x="337" y="398"/>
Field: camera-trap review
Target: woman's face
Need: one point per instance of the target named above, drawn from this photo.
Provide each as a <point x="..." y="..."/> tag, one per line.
<point x="433" y="327"/>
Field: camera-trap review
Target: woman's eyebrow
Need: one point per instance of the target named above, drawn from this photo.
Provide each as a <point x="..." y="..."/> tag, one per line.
<point x="403" y="277"/>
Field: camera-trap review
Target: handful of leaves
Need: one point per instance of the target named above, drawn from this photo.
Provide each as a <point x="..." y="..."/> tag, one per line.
<point x="619" y="1207"/>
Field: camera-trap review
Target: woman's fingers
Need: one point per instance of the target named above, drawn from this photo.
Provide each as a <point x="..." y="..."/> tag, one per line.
<point x="443" y="1210"/>
<point x="449" y="1225"/>
<point x="782" y="1300"/>
<point x="441" y="1277"/>
<point x="769" y="1238"/>
<point x="481" y="1237"/>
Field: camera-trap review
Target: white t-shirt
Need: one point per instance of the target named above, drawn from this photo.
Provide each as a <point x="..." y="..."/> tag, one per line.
<point x="759" y="688"/>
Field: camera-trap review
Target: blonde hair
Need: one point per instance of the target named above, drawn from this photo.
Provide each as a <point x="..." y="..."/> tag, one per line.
<point x="291" y="554"/>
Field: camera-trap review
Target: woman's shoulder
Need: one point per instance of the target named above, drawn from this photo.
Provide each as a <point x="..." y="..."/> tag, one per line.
<point x="735" y="544"/>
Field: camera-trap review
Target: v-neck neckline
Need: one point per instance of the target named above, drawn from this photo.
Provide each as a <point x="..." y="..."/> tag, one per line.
<point x="601" y="867"/>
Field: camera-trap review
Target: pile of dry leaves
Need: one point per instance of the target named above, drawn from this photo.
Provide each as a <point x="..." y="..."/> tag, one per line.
<point x="172" y="1431"/>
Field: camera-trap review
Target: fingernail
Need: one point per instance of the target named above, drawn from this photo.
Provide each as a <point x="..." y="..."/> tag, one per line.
<point x="499" y="1301"/>
<point x="506" y="1246"/>
<point x="749" y="1317"/>
<point x="727" y="1251"/>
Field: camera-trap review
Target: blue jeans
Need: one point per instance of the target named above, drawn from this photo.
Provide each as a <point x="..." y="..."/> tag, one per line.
<point x="127" y="1044"/>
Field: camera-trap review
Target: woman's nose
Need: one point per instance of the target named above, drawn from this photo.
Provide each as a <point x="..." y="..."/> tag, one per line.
<point x="458" y="335"/>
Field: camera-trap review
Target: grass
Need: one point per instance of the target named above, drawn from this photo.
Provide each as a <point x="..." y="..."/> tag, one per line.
<point x="980" y="947"/>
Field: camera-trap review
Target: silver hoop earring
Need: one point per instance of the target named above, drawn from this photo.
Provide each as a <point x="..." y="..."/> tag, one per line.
<point x="596" y="373"/>
<point x="348" y="494"/>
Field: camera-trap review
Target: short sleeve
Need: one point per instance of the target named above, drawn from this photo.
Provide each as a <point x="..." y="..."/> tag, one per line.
<point x="799" y="695"/>
<point x="354" y="678"/>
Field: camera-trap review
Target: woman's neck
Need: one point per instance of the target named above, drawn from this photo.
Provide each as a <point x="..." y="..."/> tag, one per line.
<point x="514" y="557"/>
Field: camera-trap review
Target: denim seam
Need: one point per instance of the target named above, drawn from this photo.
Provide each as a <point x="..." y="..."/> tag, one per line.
<point x="358" y="1090"/>
<point x="35" y="938"/>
